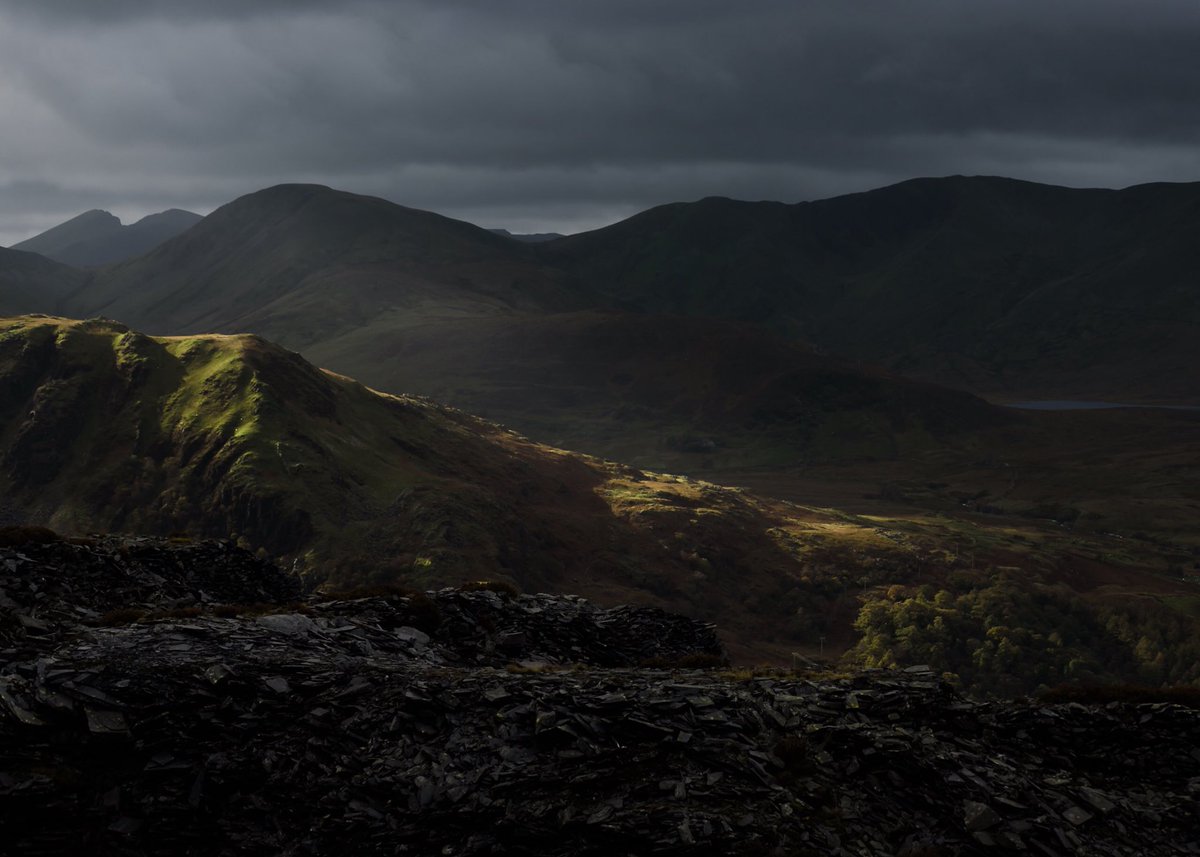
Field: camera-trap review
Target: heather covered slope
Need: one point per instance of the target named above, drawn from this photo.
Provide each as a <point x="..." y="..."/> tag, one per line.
<point x="107" y="429"/>
<point x="304" y="263"/>
<point x="992" y="284"/>
<point x="98" y="238"/>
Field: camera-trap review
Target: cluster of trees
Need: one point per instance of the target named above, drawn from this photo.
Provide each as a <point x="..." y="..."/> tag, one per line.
<point x="1007" y="636"/>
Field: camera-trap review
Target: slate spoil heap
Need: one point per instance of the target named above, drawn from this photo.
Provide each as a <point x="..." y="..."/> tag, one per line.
<point x="476" y="722"/>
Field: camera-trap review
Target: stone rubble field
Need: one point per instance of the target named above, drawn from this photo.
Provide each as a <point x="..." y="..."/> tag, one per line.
<point x="162" y="698"/>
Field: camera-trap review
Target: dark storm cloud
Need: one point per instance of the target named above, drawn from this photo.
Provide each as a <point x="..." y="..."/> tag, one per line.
<point x="588" y="110"/>
<point x="111" y="11"/>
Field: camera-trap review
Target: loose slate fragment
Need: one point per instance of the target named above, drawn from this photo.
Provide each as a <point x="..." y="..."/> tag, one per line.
<point x="412" y="635"/>
<point x="1076" y="815"/>
<point x="979" y="816"/>
<point x="16" y="704"/>
<point x="1097" y="800"/>
<point x="106" y="722"/>
<point x="217" y="673"/>
<point x="279" y="684"/>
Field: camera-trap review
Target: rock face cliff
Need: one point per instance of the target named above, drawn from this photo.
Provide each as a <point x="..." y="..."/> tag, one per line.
<point x="168" y="698"/>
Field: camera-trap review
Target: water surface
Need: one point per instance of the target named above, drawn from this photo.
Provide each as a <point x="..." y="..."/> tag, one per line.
<point x="1078" y="405"/>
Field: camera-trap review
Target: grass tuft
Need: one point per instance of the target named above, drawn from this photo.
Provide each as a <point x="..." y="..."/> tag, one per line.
<point x="1132" y="694"/>
<point x="503" y="587"/>
<point x="694" y="661"/>
<point x="121" y="616"/>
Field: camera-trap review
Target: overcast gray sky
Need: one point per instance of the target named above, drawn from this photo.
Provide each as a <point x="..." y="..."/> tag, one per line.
<point x="562" y="115"/>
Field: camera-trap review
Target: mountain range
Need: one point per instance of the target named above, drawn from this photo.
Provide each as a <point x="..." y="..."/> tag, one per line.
<point x="410" y="301"/>
<point x="99" y="238"/>
<point x="528" y="237"/>
<point x="1005" y="288"/>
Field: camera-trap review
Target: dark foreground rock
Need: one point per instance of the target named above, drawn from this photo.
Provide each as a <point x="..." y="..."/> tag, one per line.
<point x="482" y="723"/>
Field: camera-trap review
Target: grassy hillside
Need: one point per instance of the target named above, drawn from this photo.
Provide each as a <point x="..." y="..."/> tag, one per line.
<point x="104" y="428"/>
<point x="108" y="429"/>
<point x="992" y="284"/>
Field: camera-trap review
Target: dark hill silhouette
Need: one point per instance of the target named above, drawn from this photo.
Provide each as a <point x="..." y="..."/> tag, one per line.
<point x="303" y="263"/>
<point x="528" y="237"/>
<point x="32" y="283"/>
<point x="98" y="238"/>
<point x="988" y="283"/>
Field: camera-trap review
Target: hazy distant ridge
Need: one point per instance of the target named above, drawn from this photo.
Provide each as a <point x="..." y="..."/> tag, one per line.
<point x="98" y="237"/>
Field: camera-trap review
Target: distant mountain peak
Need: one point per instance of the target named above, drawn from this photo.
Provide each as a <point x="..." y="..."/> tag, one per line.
<point x="98" y="237"/>
<point x="528" y="237"/>
<point x="96" y="215"/>
<point x="171" y="215"/>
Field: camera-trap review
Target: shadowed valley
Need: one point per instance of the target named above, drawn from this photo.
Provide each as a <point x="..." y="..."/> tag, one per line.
<point x="109" y="430"/>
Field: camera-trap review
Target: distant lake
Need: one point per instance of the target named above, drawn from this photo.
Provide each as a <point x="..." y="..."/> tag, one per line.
<point x="1074" y="405"/>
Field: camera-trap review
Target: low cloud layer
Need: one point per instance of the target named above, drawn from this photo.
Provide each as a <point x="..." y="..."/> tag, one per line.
<point x="539" y="115"/>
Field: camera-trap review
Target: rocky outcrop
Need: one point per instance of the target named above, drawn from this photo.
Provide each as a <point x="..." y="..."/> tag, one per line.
<point x="482" y="722"/>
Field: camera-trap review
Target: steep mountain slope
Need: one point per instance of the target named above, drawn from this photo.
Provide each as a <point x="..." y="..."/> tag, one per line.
<point x="993" y="284"/>
<point x="98" y="238"/>
<point x="303" y="263"/>
<point x="31" y="283"/>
